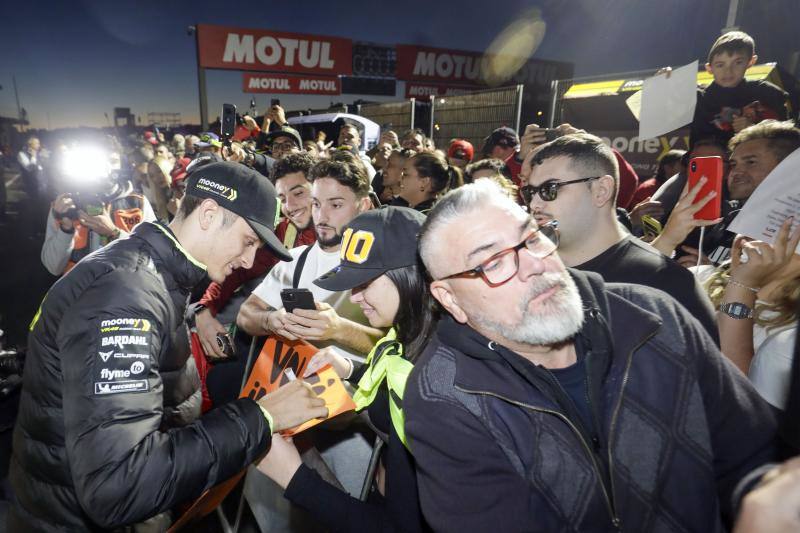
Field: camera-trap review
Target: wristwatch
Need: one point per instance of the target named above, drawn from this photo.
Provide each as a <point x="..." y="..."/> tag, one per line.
<point x="736" y="310"/>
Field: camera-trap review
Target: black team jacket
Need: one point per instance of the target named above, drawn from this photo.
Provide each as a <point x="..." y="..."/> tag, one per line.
<point x="108" y="432"/>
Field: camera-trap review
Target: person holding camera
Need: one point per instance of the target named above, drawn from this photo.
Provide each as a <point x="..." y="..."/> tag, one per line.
<point x="78" y="225"/>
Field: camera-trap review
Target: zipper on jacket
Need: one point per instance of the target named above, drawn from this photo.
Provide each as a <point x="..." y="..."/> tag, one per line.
<point x="609" y="503"/>
<point x="617" y="408"/>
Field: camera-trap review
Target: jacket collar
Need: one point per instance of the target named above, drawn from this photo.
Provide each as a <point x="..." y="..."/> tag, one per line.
<point x="170" y="255"/>
<point x="485" y="365"/>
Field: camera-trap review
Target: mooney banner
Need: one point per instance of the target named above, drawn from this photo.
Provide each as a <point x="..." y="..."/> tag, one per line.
<point x="267" y="50"/>
<point x="289" y="84"/>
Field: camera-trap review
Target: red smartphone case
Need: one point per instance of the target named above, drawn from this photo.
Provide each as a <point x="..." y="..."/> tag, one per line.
<point x="711" y="168"/>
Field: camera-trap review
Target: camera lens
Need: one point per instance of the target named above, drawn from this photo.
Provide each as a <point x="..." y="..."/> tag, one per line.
<point x="694" y="166"/>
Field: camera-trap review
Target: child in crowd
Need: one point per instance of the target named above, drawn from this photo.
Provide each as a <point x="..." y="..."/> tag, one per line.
<point x="731" y="103"/>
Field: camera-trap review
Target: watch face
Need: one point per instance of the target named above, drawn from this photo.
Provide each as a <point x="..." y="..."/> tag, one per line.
<point x="736" y="310"/>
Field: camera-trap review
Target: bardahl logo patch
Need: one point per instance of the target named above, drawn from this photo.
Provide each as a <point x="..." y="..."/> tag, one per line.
<point x="229" y="193"/>
<point x="123" y="353"/>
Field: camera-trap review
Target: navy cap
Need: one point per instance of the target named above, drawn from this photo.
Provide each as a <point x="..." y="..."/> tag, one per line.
<point x="372" y="243"/>
<point x="503" y="136"/>
<point x="243" y="191"/>
<point x="207" y="139"/>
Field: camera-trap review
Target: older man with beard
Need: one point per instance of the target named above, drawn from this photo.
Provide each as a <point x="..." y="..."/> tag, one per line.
<point x="551" y="401"/>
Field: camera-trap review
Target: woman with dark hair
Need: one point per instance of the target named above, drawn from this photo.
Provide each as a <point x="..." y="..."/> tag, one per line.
<point x="381" y="268"/>
<point x="426" y="177"/>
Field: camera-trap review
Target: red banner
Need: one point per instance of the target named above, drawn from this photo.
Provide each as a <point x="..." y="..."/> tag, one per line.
<point x="251" y="49"/>
<point x="424" y="63"/>
<point x="286" y="83"/>
<point x="422" y="91"/>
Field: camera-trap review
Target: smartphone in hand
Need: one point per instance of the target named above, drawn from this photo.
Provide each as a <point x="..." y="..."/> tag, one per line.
<point x="297" y="299"/>
<point x="228" y="121"/>
<point x="711" y="168"/>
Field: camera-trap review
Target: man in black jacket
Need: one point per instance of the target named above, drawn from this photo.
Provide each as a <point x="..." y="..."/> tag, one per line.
<point x="574" y="180"/>
<point x="108" y="432"/>
<point x="551" y="401"/>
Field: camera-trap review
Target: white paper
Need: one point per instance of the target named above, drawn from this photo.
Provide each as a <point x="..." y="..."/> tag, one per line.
<point x="668" y="103"/>
<point x="634" y="103"/>
<point x="775" y="199"/>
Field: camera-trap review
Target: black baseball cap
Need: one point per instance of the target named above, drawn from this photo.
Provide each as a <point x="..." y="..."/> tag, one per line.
<point x="372" y="243"/>
<point x="291" y="133"/>
<point x="243" y="191"/>
<point x="504" y="136"/>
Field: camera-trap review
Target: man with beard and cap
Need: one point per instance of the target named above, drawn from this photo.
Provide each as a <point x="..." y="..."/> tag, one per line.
<point x="339" y="192"/>
<point x="109" y="433"/>
<point x="549" y="400"/>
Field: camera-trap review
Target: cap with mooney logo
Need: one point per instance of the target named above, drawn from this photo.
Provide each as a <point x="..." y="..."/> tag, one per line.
<point x="243" y="191"/>
<point x="372" y="243"/>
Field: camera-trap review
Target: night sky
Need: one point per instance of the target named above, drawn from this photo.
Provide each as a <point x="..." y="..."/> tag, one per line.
<point x="75" y="60"/>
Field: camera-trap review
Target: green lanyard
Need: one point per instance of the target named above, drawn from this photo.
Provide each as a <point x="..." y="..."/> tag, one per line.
<point x="386" y="362"/>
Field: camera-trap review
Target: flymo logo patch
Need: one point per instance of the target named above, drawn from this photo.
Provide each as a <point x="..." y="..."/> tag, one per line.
<point x="229" y="193"/>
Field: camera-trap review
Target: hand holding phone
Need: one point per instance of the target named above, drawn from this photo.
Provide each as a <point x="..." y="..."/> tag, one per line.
<point x="711" y="169"/>
<point x="228" y="121"/>
<point x="297" y="299"/>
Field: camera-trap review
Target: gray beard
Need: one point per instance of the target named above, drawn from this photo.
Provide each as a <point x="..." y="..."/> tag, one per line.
<point x="554" y="321"/>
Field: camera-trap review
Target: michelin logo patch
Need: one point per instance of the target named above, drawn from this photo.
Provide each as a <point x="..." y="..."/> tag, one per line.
<point x="116" y="387"/>
<point x="123" y="356"/>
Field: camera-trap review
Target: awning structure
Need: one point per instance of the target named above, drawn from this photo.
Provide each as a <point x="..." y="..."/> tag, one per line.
<point x="766" y="71"/>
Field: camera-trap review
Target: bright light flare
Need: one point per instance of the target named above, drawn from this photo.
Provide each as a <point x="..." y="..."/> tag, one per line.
<point x="512" y="48"/>
<point x="85" y="164"/>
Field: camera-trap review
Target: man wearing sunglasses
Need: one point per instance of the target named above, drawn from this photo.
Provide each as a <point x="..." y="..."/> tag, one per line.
<point x="550" y="401"/>
<point x="574" y="180"/>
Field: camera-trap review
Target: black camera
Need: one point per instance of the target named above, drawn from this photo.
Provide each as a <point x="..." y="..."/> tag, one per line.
<point x="226" y="344"/>
<point x="90" y="202"/>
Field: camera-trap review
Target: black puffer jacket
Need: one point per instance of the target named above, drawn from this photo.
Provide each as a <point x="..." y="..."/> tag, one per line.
<point x="109" y="379"/>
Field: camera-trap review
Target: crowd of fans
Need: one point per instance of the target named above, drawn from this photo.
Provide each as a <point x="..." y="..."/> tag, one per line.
<point x="536" y="338"/>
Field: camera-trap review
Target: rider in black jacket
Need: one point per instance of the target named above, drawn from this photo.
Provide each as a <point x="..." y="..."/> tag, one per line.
<point x="109" y="432"/>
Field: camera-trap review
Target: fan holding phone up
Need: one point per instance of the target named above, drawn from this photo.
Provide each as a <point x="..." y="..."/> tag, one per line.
<point x="700" y="204"/>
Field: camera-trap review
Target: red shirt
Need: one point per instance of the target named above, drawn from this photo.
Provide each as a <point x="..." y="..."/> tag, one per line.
<point x="628" y="182"/>
<point x="218" y="294"/>
<point x="646" y="189"/>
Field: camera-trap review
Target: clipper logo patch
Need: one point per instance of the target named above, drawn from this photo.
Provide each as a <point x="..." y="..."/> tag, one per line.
<point x="229" y="193"/>
<point x="123" y="356"/>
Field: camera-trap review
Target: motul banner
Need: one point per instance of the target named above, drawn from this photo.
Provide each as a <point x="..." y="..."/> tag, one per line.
<point x="288" y="84"/>
<point x="438" y="65"/>
<point x="266" y="50"/>
<point x="423" y="90"/>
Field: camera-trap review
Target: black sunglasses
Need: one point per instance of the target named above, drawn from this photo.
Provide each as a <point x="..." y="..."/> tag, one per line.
<point x="548" y="191"/>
